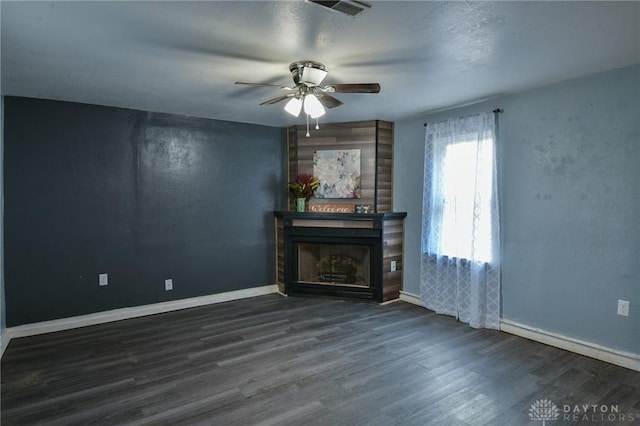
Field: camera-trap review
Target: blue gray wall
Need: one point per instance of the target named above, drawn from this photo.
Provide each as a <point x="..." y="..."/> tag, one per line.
<point x="570" y="184"/>
<point x="141" y="196"/>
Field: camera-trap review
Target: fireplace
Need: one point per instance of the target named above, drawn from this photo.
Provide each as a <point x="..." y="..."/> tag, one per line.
<point x="333" y="264"/>
<point x="343" y="255"/>
<point x="341" y="263"/>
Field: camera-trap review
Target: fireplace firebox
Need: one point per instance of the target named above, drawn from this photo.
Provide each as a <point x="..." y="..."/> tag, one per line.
<point x="345" y="255"/>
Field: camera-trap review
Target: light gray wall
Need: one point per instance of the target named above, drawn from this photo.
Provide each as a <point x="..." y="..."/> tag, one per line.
<point x="569" y="158"/>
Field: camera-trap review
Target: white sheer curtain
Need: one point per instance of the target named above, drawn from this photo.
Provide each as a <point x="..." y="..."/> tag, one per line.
<point x="460" y="265"/>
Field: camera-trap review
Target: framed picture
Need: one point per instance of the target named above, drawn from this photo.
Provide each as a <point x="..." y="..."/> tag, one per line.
<point x="339" y="173"/>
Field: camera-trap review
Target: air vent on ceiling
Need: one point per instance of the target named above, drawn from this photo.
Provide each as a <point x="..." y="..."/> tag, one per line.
<point x="348" y="7"/>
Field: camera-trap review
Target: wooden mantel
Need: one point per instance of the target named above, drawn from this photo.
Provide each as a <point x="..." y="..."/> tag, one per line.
<point x="383" y="232"/>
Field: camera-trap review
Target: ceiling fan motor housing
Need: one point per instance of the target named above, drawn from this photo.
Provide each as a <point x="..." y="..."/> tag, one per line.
<point x="309" y="73"/>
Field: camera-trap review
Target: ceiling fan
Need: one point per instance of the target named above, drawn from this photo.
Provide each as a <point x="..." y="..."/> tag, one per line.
<point x="308" y="94"/>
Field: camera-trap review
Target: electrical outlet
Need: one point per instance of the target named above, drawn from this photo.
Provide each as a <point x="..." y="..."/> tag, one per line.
<point x="394" y="266"/>
<point x="168" y="284"/>
<point x="103" y="279"/>
<point x="623" y="308"/>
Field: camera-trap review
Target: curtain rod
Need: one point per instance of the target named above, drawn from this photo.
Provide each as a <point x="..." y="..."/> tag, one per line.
<point x="495" y="111"/>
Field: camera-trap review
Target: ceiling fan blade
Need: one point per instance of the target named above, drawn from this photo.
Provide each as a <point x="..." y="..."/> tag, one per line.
<point x="329" y="101"/>
<point x="354" y="88"/>
<point x="277" y="99"/>
<point x="265" y="85"/>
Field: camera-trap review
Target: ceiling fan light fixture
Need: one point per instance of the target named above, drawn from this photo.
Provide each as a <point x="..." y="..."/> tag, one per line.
<point x="313" y="76"/>
<point x="312" y="106"/>
<point x="293" y="107"/>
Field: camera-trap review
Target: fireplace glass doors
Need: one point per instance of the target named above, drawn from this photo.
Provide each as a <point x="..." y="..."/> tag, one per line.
<point x="343" y="262"/>
<point x="333" y="264"/>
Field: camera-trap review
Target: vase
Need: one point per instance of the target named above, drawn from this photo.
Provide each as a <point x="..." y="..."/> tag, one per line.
<point x="300" y="204"/>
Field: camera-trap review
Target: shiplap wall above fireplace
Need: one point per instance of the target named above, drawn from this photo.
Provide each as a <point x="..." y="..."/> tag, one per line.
<point x="373" y="138"/>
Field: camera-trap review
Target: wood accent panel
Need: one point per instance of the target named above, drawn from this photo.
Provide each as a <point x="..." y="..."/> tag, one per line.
<point x="393" y="250"/>
<point x="376" y="159"/>
<point x="292" y="154"/>
<point x="384" y="166"/>
<point x="280" y="254"/>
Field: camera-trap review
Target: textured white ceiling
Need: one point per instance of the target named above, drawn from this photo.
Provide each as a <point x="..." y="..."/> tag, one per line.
<point x="183" y="57"/>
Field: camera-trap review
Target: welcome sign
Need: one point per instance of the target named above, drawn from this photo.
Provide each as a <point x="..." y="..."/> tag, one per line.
<point x="332" y="208"/>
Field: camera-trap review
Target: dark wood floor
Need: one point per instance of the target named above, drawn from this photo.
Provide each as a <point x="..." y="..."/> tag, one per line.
<point x="298" y="361"/>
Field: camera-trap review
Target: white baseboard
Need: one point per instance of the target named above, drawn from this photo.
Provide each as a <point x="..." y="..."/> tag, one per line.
<point x="128" y="313"/>
<point x="4" y="341"/>
<point x="411" y="298"/>
<point x="592" y="350"/>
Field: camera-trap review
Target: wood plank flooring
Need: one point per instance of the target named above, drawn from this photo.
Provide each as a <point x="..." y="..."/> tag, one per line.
<point x="272" y="360"/>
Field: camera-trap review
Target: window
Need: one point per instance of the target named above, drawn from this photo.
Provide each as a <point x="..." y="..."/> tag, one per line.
<point x="460" y="264"/>
<point x="460" y="191"/>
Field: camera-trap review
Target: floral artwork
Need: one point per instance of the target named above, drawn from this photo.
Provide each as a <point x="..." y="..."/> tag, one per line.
<point x="339" y="173"/>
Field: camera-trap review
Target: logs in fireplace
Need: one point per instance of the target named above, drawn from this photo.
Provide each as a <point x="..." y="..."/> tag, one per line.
<point x="337" y="268"/>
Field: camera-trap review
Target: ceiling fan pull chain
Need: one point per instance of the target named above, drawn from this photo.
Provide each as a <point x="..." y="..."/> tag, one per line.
<point x="317" y="127"/>
<point x="307" y="125"/>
